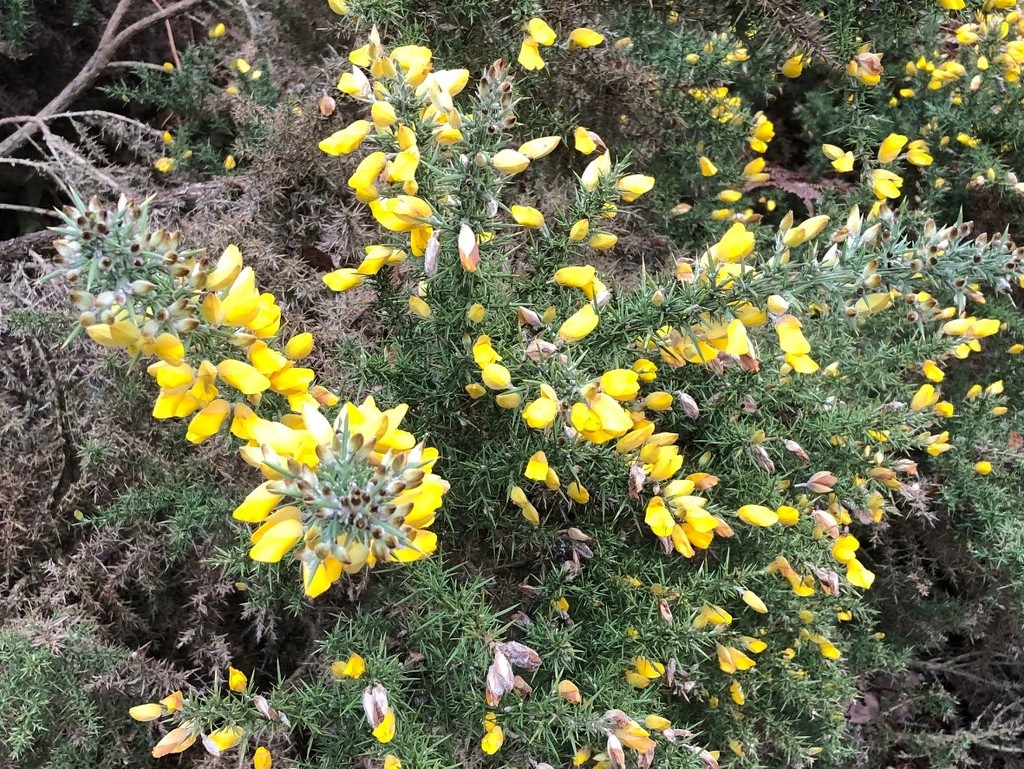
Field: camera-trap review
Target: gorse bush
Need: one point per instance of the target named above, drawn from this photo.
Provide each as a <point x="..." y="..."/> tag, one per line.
<point x="589" y="512"/>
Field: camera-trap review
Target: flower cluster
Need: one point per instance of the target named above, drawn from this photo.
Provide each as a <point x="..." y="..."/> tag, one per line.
<point x="185" y="712"/>
<point x="210" y="328"/>
<point x="356" y="493"/>
<point x="360" y="491"/>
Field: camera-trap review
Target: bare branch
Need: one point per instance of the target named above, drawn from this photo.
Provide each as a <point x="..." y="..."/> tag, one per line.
<point x="29" y="210"/>
<point x="134" y="64"/>
<point x="89" y="113"/>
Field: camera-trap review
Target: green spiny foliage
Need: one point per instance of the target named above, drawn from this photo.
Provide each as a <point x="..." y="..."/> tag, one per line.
<point x="61" y="686"/>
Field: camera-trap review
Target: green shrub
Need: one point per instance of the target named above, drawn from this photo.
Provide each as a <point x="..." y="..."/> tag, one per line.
<point x="661" y="485"/>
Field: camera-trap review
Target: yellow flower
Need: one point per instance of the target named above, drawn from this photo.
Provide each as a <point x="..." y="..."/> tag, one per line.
<point x="932" y="372"/>
<point x="788" y="516"/>
<point x="236" y="680"/>
<point x="342" y="279"/>
<point x="527" y="216"/>
<point x="579" y="324"/>
<point x="173" y="702"/>
<point x="583" y="141"/>
<point x="216" y="31"/>
<point x="475" y="313"/>
<point x="602" y="241"/>
<point x="917" y="153"/>
<point x="229" y="162"/>
<point x="541" y="412"/>
<point x="579" y="230"/>
<point x="483" y="352"/>
<point x="347" y="139"/>
<point x="148" y="712"/>
<point x="633" y="186"/>
<point x="737" y="341"/>
<point x="537" y="468"/>
<point x="953" y="5"/>
<point x="277" y="536"/>
<point x="736" y="244"/>
<point x="578" y="493"/>
<point x="419" y="307"/>
<point x="891" y="147"/>
<point x="518" y="497"/>
<point x="622" y="384"/>
<point x="925" y="397"/>
<point x="659" y="401"/>
<point x="810" y="228"/>
<point x="496" y="376"/>
<point x="715" y="616"/>
<point x="596" y="169"/>
<point x="541" y="32"/>
<point x="731" y="659"/>
<point x="707" y="168"/>
<point x="164" y="165"/>
<point x="757" y="515"/>
<point x="475" y="390"/>
<point x="583" y="37"/>
<point x="340" y="7"/>
<point x="538" y="148"/>
<point x="575" y="276"/>
<point x="736" y="692"/>
<point x="983" y="467"/>
<point x="791" y="338"/>
<point x="858" y="575"/>
<point x="353" y="667"/>
<point x="841" y="161"/>
<point x="510" y="162"/>
<point x="885" y="184"/>
<point x="208" y="421"/>
<point x="403" y="168"/>
<point x="242" y="66"/>
<point x="385" y="730"/>
<point x="657" y="723"/>
<point x="753" y="600"/>
<point x="645" y="671"/>
<point x="844" y="549"/>
<point x="793" y="66"/>
<point x="242" y="376"/>
<point x="529" y="55"/>
<point x="392" y="762"/>
<point x="261" y="759"/>
<point x="492" y="740"/>
<point x="659" y="518"/>
<point x="223" y="739"/>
